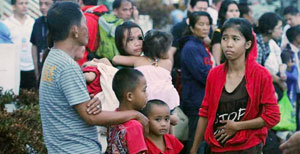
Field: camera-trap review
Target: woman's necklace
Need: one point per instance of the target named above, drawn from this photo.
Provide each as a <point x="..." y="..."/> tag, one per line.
<point x="154" y="62"/>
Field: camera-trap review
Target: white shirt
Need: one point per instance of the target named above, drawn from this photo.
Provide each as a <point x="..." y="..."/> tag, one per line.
<point x="274" y="60"/>
<point x="284" y="40"/>
<point x="214" y="14"/>
<point x="20" y="35"/>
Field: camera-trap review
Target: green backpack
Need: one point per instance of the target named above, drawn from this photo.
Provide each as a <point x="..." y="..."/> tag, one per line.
<point x="107" y="27"/>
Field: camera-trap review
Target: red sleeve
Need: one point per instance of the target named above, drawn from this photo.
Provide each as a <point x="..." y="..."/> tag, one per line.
<point x="203" y="111"/>
<point x="270" y="111"/>
<point x="91" y="69"/>
<point x="135" y="137"/>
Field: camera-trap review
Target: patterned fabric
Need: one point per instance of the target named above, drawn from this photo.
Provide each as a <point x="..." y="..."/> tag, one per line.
<point x="263" y="50"/>
<point x="62" y="87"/>
<point x="126" y="138"/>
<point x="116" y="140"/>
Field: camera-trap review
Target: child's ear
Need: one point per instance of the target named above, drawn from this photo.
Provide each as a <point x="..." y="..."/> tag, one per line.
<point x="129" y="96"/>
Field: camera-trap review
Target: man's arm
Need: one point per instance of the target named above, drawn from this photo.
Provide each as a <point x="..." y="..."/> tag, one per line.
<point x="35" y="61"/>
<point x="107" y="118"/>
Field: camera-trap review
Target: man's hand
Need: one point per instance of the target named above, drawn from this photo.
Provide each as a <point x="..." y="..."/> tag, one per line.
<point x="144" y="121"/>
<point x="292" y="145"/>
<point x="94" y="105"/>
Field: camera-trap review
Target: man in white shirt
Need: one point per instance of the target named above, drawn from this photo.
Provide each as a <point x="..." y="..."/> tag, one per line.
<point x="20" y="26"/>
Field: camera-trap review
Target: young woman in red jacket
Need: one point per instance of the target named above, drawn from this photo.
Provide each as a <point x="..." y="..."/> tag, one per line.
<point x="239" y="105"/>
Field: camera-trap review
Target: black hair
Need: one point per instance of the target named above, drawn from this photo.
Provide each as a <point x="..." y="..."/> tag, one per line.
<point x="147" y="109"/>
<point x="90" y="2"/>
<point x="193" y="19"/>
<point x="267" y="22"/>
<point x="290" y="10"/>
<point x="61" y="17"/>
<point x="119" y="35"/>
<point x="292" y="33"/>
<point x="222" y="11"/>
<point x="194" y="2"/>
<point x="125" y="80"/>
<point x="243" y="26"/>
<point x="156" y="44"/>
<point x="286" y="57"/>
<point x="13" y="2"/>
<point x="244" y="9"/>
<point x="117" y="3"/>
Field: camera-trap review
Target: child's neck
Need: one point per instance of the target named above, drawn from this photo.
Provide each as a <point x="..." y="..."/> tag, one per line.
<point x="125" y="105"/>
<point x="158" y="141"/>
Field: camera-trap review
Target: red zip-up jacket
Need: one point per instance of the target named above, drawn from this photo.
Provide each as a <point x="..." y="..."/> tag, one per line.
<point x="261" y="103"/>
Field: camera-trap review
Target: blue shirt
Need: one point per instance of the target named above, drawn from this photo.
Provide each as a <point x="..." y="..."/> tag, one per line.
<point x="62" y="87"/>
<point x="4" y="34"/>
<point x="195" y="65"/>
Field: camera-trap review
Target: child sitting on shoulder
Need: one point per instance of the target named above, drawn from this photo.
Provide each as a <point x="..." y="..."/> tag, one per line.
<point x="129" y="86"/>
<point x="158" y="140"/>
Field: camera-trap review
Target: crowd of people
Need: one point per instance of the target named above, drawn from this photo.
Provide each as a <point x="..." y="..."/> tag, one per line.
<point x="223" y="68"/>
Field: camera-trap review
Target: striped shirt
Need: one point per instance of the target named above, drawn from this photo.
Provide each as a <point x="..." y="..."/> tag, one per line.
<point x="62" y="87"/>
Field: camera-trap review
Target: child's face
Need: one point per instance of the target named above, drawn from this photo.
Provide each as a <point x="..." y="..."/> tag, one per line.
<point x="140" y="95"/>
<point x="159" y="120"/>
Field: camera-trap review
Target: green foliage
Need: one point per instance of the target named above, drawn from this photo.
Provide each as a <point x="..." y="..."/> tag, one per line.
<point x="21" y="130"/>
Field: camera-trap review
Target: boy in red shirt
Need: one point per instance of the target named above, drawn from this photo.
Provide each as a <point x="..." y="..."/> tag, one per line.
<point x="129" y="86"/>
<point x="158" y="140"/>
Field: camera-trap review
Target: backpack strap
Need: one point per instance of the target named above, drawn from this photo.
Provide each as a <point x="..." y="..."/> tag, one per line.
<point x="97" y="13"/>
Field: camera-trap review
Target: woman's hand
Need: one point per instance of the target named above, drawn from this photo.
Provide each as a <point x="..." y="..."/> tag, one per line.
<point x="102" y="60"/>
<point x="226" y="131"/>
<point x="94" y="105"/>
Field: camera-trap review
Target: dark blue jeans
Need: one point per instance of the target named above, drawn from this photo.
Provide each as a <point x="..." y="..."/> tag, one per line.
<point x="193" y="122"/>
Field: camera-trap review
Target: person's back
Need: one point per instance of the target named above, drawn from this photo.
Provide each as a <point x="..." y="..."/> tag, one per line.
<point x="129" y="86"/>
<point x="64" y="121"/>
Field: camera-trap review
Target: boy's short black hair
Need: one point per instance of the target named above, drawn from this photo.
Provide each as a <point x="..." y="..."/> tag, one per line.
<point x="90" y="2"/>
<point x="147" y="109"/>
<point x="117" y="3"/>
<point x="125" y="80"/>
<point x="290" y="10"/>
<point x="292" y="33"/>
<point x="194" y="2"/>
